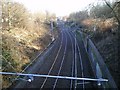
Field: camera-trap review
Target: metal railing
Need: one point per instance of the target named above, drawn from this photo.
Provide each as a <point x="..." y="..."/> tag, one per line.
<point x="98" y="65"/>
<point x="31" y="77"/>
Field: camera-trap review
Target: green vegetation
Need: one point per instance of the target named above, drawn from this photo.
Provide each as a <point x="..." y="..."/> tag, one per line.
<point x="24" y="35"/>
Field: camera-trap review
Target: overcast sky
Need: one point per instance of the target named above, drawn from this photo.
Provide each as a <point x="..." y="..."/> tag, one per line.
<point x="59" y="7"/>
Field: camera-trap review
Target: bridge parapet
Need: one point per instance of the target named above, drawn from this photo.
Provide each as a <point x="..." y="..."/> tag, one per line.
<point x="98" y="65"/>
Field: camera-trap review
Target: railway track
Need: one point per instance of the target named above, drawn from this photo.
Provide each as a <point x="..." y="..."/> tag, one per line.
<point x="67" y="57"/>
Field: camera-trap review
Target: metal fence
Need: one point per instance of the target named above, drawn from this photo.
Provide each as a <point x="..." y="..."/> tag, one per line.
<point x="98" y="65"/>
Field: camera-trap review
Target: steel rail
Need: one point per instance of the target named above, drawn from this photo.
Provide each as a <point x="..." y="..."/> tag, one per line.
<point x="75" y="62"/>
<point x="71" y="83"/>
<point x="53" y="62"/>
<point x="80" y="59"/>
<point x="52" y="76"/>
<point x="81" y="64"/>
<point x="60" y="65"/>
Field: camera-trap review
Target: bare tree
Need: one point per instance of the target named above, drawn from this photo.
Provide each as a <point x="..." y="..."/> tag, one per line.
<point x="14" y="15"/>
<point x="115" y="14"/>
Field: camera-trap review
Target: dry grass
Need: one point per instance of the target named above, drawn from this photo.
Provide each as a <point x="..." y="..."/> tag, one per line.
<point x="101" y="24"/>
<point x="105" y="37"/>
<point x="24" y="35"/>
<point x="23" y="45"/>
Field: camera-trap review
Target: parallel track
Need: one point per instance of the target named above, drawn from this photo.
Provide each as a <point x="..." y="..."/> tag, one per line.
<point x="64" y="59"/>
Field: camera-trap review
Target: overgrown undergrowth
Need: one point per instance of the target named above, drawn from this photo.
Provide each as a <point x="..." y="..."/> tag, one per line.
<point x="20" y="47"/>
<point x="107" y="44"/>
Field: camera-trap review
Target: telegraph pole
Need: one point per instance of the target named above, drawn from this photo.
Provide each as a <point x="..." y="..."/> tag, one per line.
<point x="51" y="29"/>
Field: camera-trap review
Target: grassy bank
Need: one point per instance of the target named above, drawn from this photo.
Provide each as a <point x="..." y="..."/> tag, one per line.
<point x="24" y="36"/>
